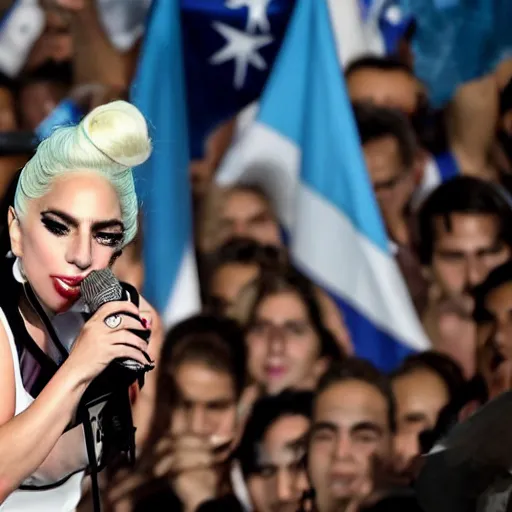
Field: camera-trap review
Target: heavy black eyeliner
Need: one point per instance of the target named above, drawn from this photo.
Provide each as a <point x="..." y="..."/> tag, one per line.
<point x="53" y="226"/>
<point x="110" y="239"/>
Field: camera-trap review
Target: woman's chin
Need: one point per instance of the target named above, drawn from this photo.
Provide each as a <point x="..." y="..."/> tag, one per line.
<point x="60" y="305"/>
<point x="66" y="306"/>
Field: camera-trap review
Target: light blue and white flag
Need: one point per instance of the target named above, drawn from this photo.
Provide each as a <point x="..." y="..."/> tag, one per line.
<point x="303" y="149"/>
<point x="171" y="282"/>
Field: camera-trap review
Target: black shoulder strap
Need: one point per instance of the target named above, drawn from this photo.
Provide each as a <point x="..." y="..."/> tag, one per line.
<point x="36" y="305"/>
<point x="9" y="302"/>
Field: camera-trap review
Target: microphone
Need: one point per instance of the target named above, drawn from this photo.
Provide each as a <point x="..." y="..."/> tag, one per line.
<point x="105" y="409"/>
<point x="100" y="287"/>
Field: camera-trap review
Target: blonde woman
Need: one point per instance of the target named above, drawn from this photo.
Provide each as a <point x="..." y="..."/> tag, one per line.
<point x="74" y="210"/>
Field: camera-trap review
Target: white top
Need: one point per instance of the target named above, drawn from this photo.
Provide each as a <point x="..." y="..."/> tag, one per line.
<point x="65" y="497"/>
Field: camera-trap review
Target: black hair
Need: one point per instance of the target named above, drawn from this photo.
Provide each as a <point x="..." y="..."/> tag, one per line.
<point x="464" y="195"/>
<point x="440" y="364"/>
<point x="388" y="63"/>
<point x="374" y="122"/>
<point x="353" y="368"/>
<point x="8" y="83"/>
<point x="50" y="71"/>
<point x="243" y="251"/>
<point x="496" y="278"/>
<point x="426" y="122"/>
<point x="214" y="340"/>
<point x="266" y="411"/>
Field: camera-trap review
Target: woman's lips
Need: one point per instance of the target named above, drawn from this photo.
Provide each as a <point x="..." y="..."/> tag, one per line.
<point x="67" y="287"/>
<point x="70" y="280"/>
<point x="275" y="372"/>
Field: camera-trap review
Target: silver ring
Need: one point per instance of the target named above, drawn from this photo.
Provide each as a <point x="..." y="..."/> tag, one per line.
<point x="113" y="321"/>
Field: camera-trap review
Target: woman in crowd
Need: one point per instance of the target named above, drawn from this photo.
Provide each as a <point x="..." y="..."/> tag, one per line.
<point x="288" y="344"/>
<point x="186" y="463"/>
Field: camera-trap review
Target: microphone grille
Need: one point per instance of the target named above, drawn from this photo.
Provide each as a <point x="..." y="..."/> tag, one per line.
<point x="100" y="287"/>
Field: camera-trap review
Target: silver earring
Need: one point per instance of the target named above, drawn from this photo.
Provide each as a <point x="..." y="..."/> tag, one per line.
<point x="22" y="272"/>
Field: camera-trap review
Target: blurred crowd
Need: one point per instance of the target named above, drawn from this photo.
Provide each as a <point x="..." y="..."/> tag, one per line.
<point x="259" y="402"/>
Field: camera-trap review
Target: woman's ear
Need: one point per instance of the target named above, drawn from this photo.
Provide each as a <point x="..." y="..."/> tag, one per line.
<point x="15" y="233"/>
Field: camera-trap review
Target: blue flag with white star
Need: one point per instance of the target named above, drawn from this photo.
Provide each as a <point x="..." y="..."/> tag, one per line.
<point x="201" y="62"/>
<point x="229" y="47"/>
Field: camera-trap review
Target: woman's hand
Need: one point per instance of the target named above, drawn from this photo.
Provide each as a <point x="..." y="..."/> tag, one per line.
<point x="191" y="464"/>
<point x="98" y="345"/>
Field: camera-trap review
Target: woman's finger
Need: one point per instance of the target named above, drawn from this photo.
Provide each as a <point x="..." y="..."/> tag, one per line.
<point x="113" y="308"/>
<point x="121" y="351"/>
<point x="124" y="337"/>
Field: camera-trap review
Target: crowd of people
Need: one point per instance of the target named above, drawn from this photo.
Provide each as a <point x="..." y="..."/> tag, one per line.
<point x="259" y="401"/>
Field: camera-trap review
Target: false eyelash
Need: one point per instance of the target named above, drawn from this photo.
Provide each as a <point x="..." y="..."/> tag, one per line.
<point x="55" y="227"/>
<point x="110" y="239"/>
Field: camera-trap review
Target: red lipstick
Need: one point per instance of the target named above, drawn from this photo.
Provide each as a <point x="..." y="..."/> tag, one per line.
<point x="67" y="287"/>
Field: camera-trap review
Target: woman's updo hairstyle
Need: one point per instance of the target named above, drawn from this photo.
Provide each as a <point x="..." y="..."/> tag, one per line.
<point x="110" y="140"/>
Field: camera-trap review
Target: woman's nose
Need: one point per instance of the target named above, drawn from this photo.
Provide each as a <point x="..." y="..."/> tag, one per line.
<point x="80" y="252"/>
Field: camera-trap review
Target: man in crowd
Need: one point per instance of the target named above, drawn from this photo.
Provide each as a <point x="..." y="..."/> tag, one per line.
<point x="237" y="211"/>
<point x="383" y="81"/>
<point x="465" y="230"/>
<point x="352" y="430"/>
<point x="272" y="451"/>
<point x="423" y="386"/>
<point x="493" y="305"/>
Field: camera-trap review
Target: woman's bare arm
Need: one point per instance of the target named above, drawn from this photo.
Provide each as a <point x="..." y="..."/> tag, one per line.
<point x="27" y="440"/>
<point x="32" y="443"/>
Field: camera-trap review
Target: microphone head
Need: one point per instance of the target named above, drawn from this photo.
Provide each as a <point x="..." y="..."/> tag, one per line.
<point x="100" y="287"/>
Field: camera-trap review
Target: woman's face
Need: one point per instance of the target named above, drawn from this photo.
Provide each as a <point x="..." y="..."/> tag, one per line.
<point x="283" y="348"/>
<point x="75" y="228"/>
<point x="207" y="401"/>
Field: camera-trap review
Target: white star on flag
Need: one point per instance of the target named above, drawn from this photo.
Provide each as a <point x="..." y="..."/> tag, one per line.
<point x="241" y="47"/>
<point x="257" y="13"/>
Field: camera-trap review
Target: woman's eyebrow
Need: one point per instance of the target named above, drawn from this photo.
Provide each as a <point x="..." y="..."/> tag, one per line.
<point x="105" y="224"/>
<point x="68" y="219"/>
<point x="72" y="221"/>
